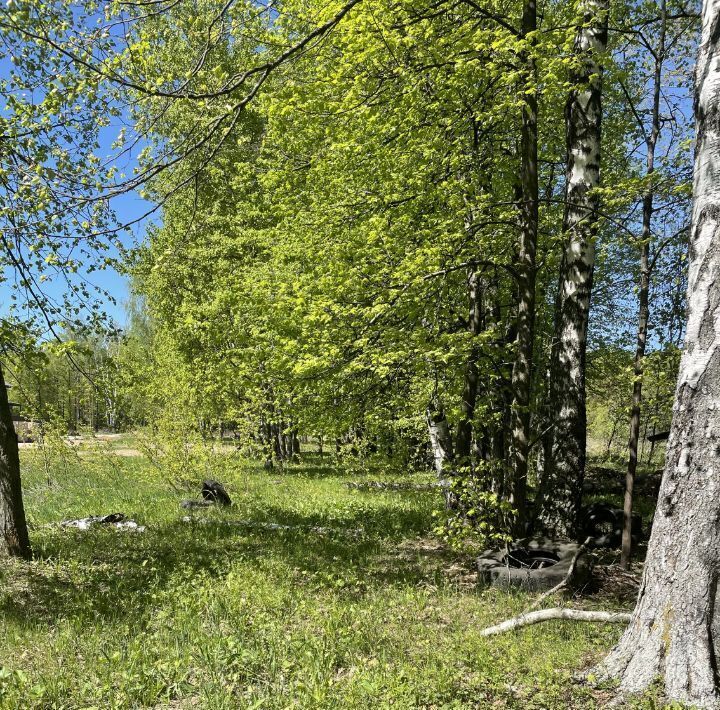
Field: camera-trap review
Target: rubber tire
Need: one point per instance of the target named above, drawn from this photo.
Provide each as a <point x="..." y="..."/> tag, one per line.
<point x="492" y="571"/>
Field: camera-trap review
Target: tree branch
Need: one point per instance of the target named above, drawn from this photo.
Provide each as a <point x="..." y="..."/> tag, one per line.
<point x="537" y="617"/>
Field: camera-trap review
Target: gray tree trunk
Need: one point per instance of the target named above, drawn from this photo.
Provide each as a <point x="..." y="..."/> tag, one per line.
<point x="674" y="631"/>
<point x="526" y="279"/>
<point x="14" y="539"/>
<point x="295" y="446"/>
<point x="464" y="436"/>
<point x="643" y="297"/>
<point x="276" y="436"/>
<point x="564" y="464"/>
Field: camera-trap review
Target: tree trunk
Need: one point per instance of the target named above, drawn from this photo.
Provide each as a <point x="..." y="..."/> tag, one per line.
<point x="284" y="438"/>
<point x="276" y="434"/>
<point x="14" y="539"/>
<point x="442" y="449"/>
<point x="608" y="448"/>
<point x="295" y="446"/>
<point x="674" y="632"/>
<point x="501" y="396"/>
<point x="464" y="436"/>
<point x="526" y="278"/>
<point x="643" y="299"/>
<point x="561" y="485"/>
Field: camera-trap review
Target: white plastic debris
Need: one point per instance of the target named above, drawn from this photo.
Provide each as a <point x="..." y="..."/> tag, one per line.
<point x="114" y="520"/>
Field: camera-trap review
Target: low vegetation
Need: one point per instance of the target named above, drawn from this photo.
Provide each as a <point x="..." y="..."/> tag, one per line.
<point x="354" y="605"/>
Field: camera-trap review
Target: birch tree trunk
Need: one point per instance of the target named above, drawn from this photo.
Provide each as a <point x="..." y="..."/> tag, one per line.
<point x="643" y="297"/>
<point x="564" y="465"/>
<point x="674" y="631"/>
<point x="526" y="278"/>
<point x="442" y="450"/>
<point x="295" y="446"/>
<point x="14" y="540"/>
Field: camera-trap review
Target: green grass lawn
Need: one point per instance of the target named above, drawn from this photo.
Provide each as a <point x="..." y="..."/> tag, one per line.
<point x="373" y="614"/>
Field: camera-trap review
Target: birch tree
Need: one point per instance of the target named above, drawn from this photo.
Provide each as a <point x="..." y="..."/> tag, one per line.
<point x="561" y="485"/>
<point x="674" y="629"/>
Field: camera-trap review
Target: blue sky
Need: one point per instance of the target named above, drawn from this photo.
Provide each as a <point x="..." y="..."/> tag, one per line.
<point x="128" y="208"/>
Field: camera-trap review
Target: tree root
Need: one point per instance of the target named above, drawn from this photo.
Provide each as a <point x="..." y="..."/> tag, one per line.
<point x="536" y="617"/>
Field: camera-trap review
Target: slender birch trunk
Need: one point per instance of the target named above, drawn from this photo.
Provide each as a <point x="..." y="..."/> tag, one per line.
<point x="674" y="631"/>
<point x="295" y="446"/>
<point x="561" y="485"/>
<point x="14" y="539"/>
<point x="526" y="277"/>
<point x="442" y="449"/>
<point x="643" y="296"/>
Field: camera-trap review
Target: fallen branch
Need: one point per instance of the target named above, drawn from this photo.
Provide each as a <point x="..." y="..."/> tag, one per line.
<point x="571" y="571"/>
<point x="536" y="617"/>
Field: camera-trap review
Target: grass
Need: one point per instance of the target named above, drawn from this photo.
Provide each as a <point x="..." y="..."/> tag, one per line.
<point x="220" y="615"/>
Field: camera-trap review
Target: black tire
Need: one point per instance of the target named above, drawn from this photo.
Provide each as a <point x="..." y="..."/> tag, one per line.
<point x="215" y="492"/>
<point x="514" y="567"/>
<point x="604" y="525"/>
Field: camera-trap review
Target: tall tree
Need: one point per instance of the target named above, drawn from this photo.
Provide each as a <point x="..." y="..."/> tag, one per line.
<point x="674" y="631"/>
<point x="564" y="465"/>
<point x="526" y="271"/>
<point x="651" y="139"/>
<point x="52" y="230"/>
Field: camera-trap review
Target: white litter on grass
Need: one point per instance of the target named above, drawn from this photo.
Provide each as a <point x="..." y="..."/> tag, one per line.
<point x="115" y="520"/>
<point x="395" y="486"/>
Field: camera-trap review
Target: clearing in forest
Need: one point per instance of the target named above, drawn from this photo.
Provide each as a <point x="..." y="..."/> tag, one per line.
<point x="221" y="615"/>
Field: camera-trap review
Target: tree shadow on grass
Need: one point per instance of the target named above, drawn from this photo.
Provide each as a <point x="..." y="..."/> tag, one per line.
<point x="107" y="575"/>
<point x="311" y="465"/>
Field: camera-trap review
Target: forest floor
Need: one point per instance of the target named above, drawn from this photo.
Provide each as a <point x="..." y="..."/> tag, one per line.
<point x="352" y="603"/>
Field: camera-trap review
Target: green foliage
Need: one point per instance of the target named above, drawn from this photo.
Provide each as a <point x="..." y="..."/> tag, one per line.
<point x="326" y="204"/>
<point x="78" y="381"/>
<point x="56" y="229"/>
<point x="610" y="384"/>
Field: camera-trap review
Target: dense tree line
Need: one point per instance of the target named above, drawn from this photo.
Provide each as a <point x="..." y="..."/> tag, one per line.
<point x="391" y="235"/>
<point x="400" y="234"/>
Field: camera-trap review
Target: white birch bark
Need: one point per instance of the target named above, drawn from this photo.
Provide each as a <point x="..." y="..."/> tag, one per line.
<point x="561" y="486"/>
<point x="674" y="629"/>
<point x="442" y="450"/>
